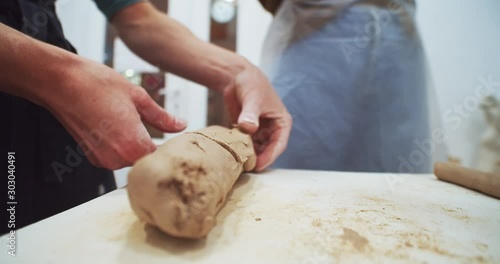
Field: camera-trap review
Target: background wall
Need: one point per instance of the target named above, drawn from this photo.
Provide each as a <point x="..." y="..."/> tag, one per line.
<point x="253" y="22"/>
<point x="84" y="26"/>
<point x="462" y="39"/>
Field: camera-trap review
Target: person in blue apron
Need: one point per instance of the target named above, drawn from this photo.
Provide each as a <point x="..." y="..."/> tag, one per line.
<point x="62" y="151"/>
<point x="353" y="75"/>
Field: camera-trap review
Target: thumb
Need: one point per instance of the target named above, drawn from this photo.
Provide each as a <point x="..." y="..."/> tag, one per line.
<point x="156" y="116"/>
<point x="249" y="117"/>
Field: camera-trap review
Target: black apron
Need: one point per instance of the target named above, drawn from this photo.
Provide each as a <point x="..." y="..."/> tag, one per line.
<point x="51" y="174"/>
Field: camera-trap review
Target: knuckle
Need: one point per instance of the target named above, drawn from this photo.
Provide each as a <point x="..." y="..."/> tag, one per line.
<point x="129" y="154"/>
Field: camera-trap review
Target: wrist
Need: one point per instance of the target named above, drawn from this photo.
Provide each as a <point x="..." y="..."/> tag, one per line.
<point x="57" y="79"/>
<point x="30" y="68"/>
<point x="226" y="70"/>
<point x="40" y="71"/>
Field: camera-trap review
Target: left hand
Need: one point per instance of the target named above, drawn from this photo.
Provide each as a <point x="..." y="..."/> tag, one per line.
<point x="255" y="106"/>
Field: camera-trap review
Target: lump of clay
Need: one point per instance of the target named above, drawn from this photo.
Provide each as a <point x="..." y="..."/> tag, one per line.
<point x="182" y="185"/>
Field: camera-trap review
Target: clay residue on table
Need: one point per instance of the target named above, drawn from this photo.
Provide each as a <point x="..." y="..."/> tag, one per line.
<point x="146" y="240"/>
<point x="481" y="247"/>
<point x="454" y="212"/>
<point x="226" y="232"/>
<point x="340" y="235"/>
<point x="316" y="222"/>
<point x="358" y="242"/>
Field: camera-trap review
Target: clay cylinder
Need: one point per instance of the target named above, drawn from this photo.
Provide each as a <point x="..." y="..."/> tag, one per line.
<point x="182" y="185"/>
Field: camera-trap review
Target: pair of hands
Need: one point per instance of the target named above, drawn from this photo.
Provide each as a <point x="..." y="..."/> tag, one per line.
<point x="103" y="112"/>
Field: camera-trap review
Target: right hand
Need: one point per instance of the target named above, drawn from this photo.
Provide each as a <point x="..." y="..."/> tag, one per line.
<point x="257" y="108"/>
<point x="102" y="111"/>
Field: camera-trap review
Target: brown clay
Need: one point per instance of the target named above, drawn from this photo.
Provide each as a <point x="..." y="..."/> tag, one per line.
<point x="182" y="185"/>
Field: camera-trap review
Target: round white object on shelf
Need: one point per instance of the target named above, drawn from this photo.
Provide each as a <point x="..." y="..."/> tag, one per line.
<point x="223" y="11"/>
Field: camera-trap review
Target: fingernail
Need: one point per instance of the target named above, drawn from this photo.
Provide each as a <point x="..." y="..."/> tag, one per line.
<point x="250" y="120"/>
<point x="179" y="122"/>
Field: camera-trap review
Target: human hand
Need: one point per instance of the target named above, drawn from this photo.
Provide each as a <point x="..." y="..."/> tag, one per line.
<point x="257" y="109"/>
<point x="102" y="111"/>
<point x="250" y="98"/>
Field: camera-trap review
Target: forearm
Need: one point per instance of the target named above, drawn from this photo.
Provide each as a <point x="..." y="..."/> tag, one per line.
<point x="248" y="95"/>
<point x="164" y="42"/>
<point x="29" y="67"/>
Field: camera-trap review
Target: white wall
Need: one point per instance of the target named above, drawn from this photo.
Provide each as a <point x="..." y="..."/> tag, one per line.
<point x="84" y="27"/>
<point x="192" y="98"/>
<point x="462" y="40"/>
<point x="253" y="22"/>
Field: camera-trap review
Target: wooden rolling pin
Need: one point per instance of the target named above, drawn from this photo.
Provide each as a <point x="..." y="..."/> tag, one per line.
<point x="487" y="183"/>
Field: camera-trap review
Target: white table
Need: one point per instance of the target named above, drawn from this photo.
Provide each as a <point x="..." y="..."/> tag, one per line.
<point x="287" y="216"/>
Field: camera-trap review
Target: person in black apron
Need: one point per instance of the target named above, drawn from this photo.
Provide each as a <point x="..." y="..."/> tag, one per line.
<point x="39" y="141"/>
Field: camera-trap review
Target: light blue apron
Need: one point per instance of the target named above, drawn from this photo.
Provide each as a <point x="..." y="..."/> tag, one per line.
<point x="353" y="76"/>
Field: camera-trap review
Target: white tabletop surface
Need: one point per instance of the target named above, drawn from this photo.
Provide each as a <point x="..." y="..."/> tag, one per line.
<point x="287" y="216"/>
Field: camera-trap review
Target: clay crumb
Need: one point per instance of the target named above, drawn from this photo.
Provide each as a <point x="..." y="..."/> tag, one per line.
<point x="357" y="241"/>
<point x="316" y="223"/>
<point x="258" y="219"/>
<point x="408" y="244"/>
